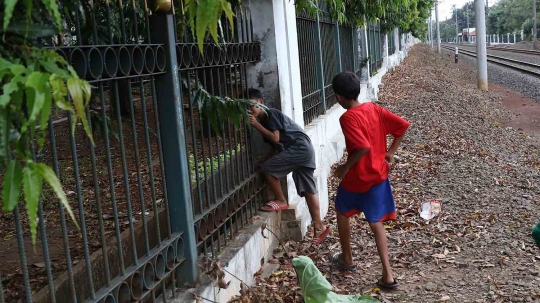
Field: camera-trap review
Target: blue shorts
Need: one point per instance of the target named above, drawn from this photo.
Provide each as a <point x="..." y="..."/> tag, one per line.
<point x="377" y="203"/>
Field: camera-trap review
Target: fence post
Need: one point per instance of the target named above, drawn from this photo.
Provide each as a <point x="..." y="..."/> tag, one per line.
<point x="337" y="47"/>
<point x="319" y="61"/>
<point x="175" y="157"/>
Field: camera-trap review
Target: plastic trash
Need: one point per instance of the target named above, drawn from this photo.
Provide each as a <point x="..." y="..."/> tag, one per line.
<point x="430" y="209"/>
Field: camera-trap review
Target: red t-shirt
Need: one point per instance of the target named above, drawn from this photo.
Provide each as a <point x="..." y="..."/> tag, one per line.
<point x="366" y="126"/>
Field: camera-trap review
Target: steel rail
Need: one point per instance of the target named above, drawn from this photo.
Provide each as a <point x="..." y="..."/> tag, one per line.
<point x="495" y="60"/>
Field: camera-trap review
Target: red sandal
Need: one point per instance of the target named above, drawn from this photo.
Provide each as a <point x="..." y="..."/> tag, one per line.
<point x="272" y="206"/>
<point x="318" y="240"/>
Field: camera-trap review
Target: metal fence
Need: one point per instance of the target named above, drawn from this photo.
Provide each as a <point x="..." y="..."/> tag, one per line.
<point x="159" y="188"/>
<point x="347" y="48"/>
<point x="325" y="49"/>
<point x="400" y="37"/>
<point x="375" y="47"/>
<point x="391" y="43"/>
<point x="225" y="189"/>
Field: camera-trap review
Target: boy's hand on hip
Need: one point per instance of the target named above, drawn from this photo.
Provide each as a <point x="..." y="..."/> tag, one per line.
<point x="253" y="121"/>
<point x="341" y="171"/>
<point x="389" y="157"/>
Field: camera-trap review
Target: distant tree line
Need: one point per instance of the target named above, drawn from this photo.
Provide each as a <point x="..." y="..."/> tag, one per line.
<point x="506" y="16"/>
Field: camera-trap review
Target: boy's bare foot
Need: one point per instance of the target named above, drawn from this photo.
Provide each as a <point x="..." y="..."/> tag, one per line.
<point x="320" y="232"/>
<point x="319" y="228"/>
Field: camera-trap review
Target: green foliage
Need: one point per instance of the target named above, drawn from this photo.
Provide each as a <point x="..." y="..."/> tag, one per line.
<point x="214" y="108"/>
<point x="209" y="164"/>
<point x="507" y="16"/>
<point x="527" y="27"/>
<point x="33" y="80"/>
<point x="204" y="16"/>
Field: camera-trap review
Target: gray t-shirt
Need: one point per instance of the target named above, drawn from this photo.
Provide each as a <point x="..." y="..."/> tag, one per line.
<point x="296" y="145"/>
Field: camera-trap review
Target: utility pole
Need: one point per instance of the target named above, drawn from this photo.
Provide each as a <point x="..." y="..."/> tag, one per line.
<point x="481" y="51"/>
<point x="468" y="31"/>
<point x="535" y="34"/>
<point x="437" y="26"/>
<point x="457" y="35"/>
<point x="487" y="24"/>
<point x="430" y="27"/>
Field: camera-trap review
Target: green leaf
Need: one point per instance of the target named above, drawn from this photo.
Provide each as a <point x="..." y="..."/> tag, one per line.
<point x="227" y="9"/>
<point x="316" y="289"/>
<point x="191" y="10"/>
<point x="59" y="91"/>
<point x="36" y="87"/>
<point x="214" y="20"/>
<point x="28" y="7"/>
<point x="32" y="189"/>
<point x="5" y="127"/>
<point x="44" y="117"/>
<point x="52" y="6"/>
<point x="12" y="186"/>
<point x="10" y="88"/>
<point x="31" y="31"/>
<point x="50" y="64"/>
<point x="9" y="6"/>
<point x="204" y="10"/>
<point x="49" y="176"/>
<point x="79" y="91"/>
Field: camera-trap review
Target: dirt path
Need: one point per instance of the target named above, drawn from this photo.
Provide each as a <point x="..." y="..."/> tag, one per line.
<point x="466" y="149"/>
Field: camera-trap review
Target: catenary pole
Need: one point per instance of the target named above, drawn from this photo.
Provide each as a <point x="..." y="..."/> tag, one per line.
<point x="468" y="31"/>
<point x="535" y="34"/>
<point x="431" y="27"/>
<point x="481" y="51"/>
<point x="487" y="24"/>
<point x="437" y="26"/>
<point x="457" y="34"/>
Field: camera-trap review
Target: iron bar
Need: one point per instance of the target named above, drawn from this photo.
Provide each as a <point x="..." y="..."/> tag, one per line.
<point x="61" y="211"/>
<point x="82" y="217"/>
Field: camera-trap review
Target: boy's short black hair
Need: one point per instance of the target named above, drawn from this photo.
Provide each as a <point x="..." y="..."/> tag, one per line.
<point x="346" y="84"/>
<point x="254" y="93"/>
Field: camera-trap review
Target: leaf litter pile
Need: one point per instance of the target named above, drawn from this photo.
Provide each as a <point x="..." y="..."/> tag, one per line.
<point x="458" y="152"/>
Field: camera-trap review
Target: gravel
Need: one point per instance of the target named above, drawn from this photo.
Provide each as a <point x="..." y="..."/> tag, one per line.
<point x="516" y="81"/>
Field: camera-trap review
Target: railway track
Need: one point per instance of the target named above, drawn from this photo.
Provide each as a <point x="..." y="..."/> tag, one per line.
<point x="522" y="66"/>
<point x="504" y="49"/>
<point x="515" y="50"/>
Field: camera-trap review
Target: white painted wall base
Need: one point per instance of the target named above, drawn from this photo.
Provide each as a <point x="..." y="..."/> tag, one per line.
<point x="242" y="257"/>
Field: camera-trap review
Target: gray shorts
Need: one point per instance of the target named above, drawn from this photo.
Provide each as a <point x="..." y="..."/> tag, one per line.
<point x="303" y="177"/>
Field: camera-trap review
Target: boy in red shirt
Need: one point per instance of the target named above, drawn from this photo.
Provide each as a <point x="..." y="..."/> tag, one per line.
<point x="365" y="186"/>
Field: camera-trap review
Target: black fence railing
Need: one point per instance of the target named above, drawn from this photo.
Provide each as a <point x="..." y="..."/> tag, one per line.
<point x="400" y="37"/>
<point x="159" y="187"/>
<point x="309" y="57"/>
<point x="375" y="47"/>
<point x="348" y="51"/>
<point x="391" y="43"/>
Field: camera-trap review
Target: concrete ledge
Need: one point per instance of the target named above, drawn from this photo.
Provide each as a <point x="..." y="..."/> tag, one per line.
<point x="242" y="257"/>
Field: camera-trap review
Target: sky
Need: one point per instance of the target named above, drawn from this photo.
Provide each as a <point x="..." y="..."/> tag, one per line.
<point x="445" y="7"/>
